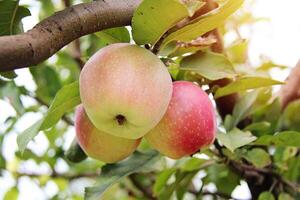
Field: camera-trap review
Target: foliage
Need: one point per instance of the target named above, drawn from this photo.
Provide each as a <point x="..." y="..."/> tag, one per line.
<point x="256" y="142"/>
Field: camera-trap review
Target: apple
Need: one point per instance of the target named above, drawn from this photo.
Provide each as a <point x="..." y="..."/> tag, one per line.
<point x="188" y="125"/>
<point x="125" y="90"/>
<point x="98" y="144"/>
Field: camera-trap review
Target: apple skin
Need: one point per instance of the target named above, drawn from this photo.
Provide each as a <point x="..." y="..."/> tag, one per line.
<point x="188" y="125"/>
<point x="125" y="90"/>
<point x="98" y="144"/>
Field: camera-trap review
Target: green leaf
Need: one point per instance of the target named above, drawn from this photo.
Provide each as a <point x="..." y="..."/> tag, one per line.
<point x="241" y="109"/>
<point x="258" y="157"/>
<point x="113" y="35"/>
<point x="224" y="178"/>
<point x="281" y="139"/>
<point x="9" y="74"/>
<point x="12" y="194"/>
<point x="161" y="180"/>
<point x="180" y="178"/>
<point x="10" y="17"/>
<point x="291" y="117"/>
<point x="210" y="65"/>
<point x="65" y="99"/>
<point x="11" y="92"/>
<point x="235" y="138"/>
<point x="194" y="164"/>
<point x="245" y="83"/>
<point x="271" y="112"/>
<point x="112" y="173"/>
<point x="153" y="18"/>
<point x="29" y="134"/>
<point x="200" y="25"/>
<point x="47" y="81"/>
<point x="259" y="128"/>
<point x="270" y="65"/>
<point x="266" y="196"/>
<point x="237" y="53"/>
<point x="285" y="196"/>
<point x="75" y="154"/>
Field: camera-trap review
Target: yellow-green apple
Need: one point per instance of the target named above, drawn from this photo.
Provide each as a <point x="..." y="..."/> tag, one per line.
<point x="125" y="90"/>
<point x="188" y="125"/>
<point x="98" y="144"/>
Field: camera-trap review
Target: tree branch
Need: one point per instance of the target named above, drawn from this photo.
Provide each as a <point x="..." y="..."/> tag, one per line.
<point x="53" y="33"/>
<point x="291" y="91"/>
<point x="146" y="191"/>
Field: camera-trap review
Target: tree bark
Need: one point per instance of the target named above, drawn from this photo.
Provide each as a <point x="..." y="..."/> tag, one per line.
<point x="53" y="33"/>
<point x="291" y="90"/>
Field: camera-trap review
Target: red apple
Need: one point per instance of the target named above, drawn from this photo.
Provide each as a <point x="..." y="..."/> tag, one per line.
<point x="98" y="144"/>
<point x="188" y="125"/>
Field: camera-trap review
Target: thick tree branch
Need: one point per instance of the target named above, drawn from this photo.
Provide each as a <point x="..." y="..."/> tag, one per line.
<point x="291" y="91"/>
<point x="53" y="33"/>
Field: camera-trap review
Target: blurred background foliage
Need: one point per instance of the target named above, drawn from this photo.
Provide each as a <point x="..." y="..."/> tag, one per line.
<point x="254" y="148"/>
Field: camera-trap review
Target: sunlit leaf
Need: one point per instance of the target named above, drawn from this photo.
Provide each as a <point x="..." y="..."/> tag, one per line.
<point x="153" y="18"/>
<point x="281" y="139"/>
<point x="200" y="25"/>
<point x="113" y="35"/>
<point x="259" y="157"/>
<point x="245" y="83"/>
<point x="209" y="65"/>
<point x="12" y="194"/>
<point x="65" y="100"/>
<point x="235" y="139"/>
<point x="266" y="196"/>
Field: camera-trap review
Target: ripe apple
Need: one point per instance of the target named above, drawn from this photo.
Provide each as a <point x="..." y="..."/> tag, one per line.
<point x="98" y="144"/>
<point x="188" y="125"/>
<point x="125" y="90"/>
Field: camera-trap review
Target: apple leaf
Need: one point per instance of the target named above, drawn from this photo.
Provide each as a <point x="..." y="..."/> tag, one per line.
<point x="258" y="157"/>
<point x="291" y="117"/>
<point x="210" y="65"/>
<point x="285" y="196"/>
<point x="66" y="99"/>
<point x="241" y="109"/>
<point x="10" y="17"/>
<point x="153" y="18"/>
<point x="245" y="83"/>
<point x="162" y="179"/>
<point x="199" y="26"/>
<point x="112" y="173"/>
<point x="266" y="196"/>
<point x="235" y="138"/>
<point x="9" y="74"/>
<point x="281" y="139"/>
<point x="113" y="35"/>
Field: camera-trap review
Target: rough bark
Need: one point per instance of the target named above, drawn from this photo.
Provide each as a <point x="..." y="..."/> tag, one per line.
<point x="53" y="33"/>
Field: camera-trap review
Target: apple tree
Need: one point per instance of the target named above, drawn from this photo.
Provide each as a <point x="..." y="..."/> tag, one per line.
<point x="255" y="142"/>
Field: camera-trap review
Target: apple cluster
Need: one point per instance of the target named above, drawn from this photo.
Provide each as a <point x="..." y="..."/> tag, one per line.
<point x="127" y="94"/>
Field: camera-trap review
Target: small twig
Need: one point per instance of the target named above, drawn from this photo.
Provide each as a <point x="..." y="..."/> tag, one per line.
<point x="215" y="194"/>
<point x="54" y="174"/>
<point x="138" y="185"/>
